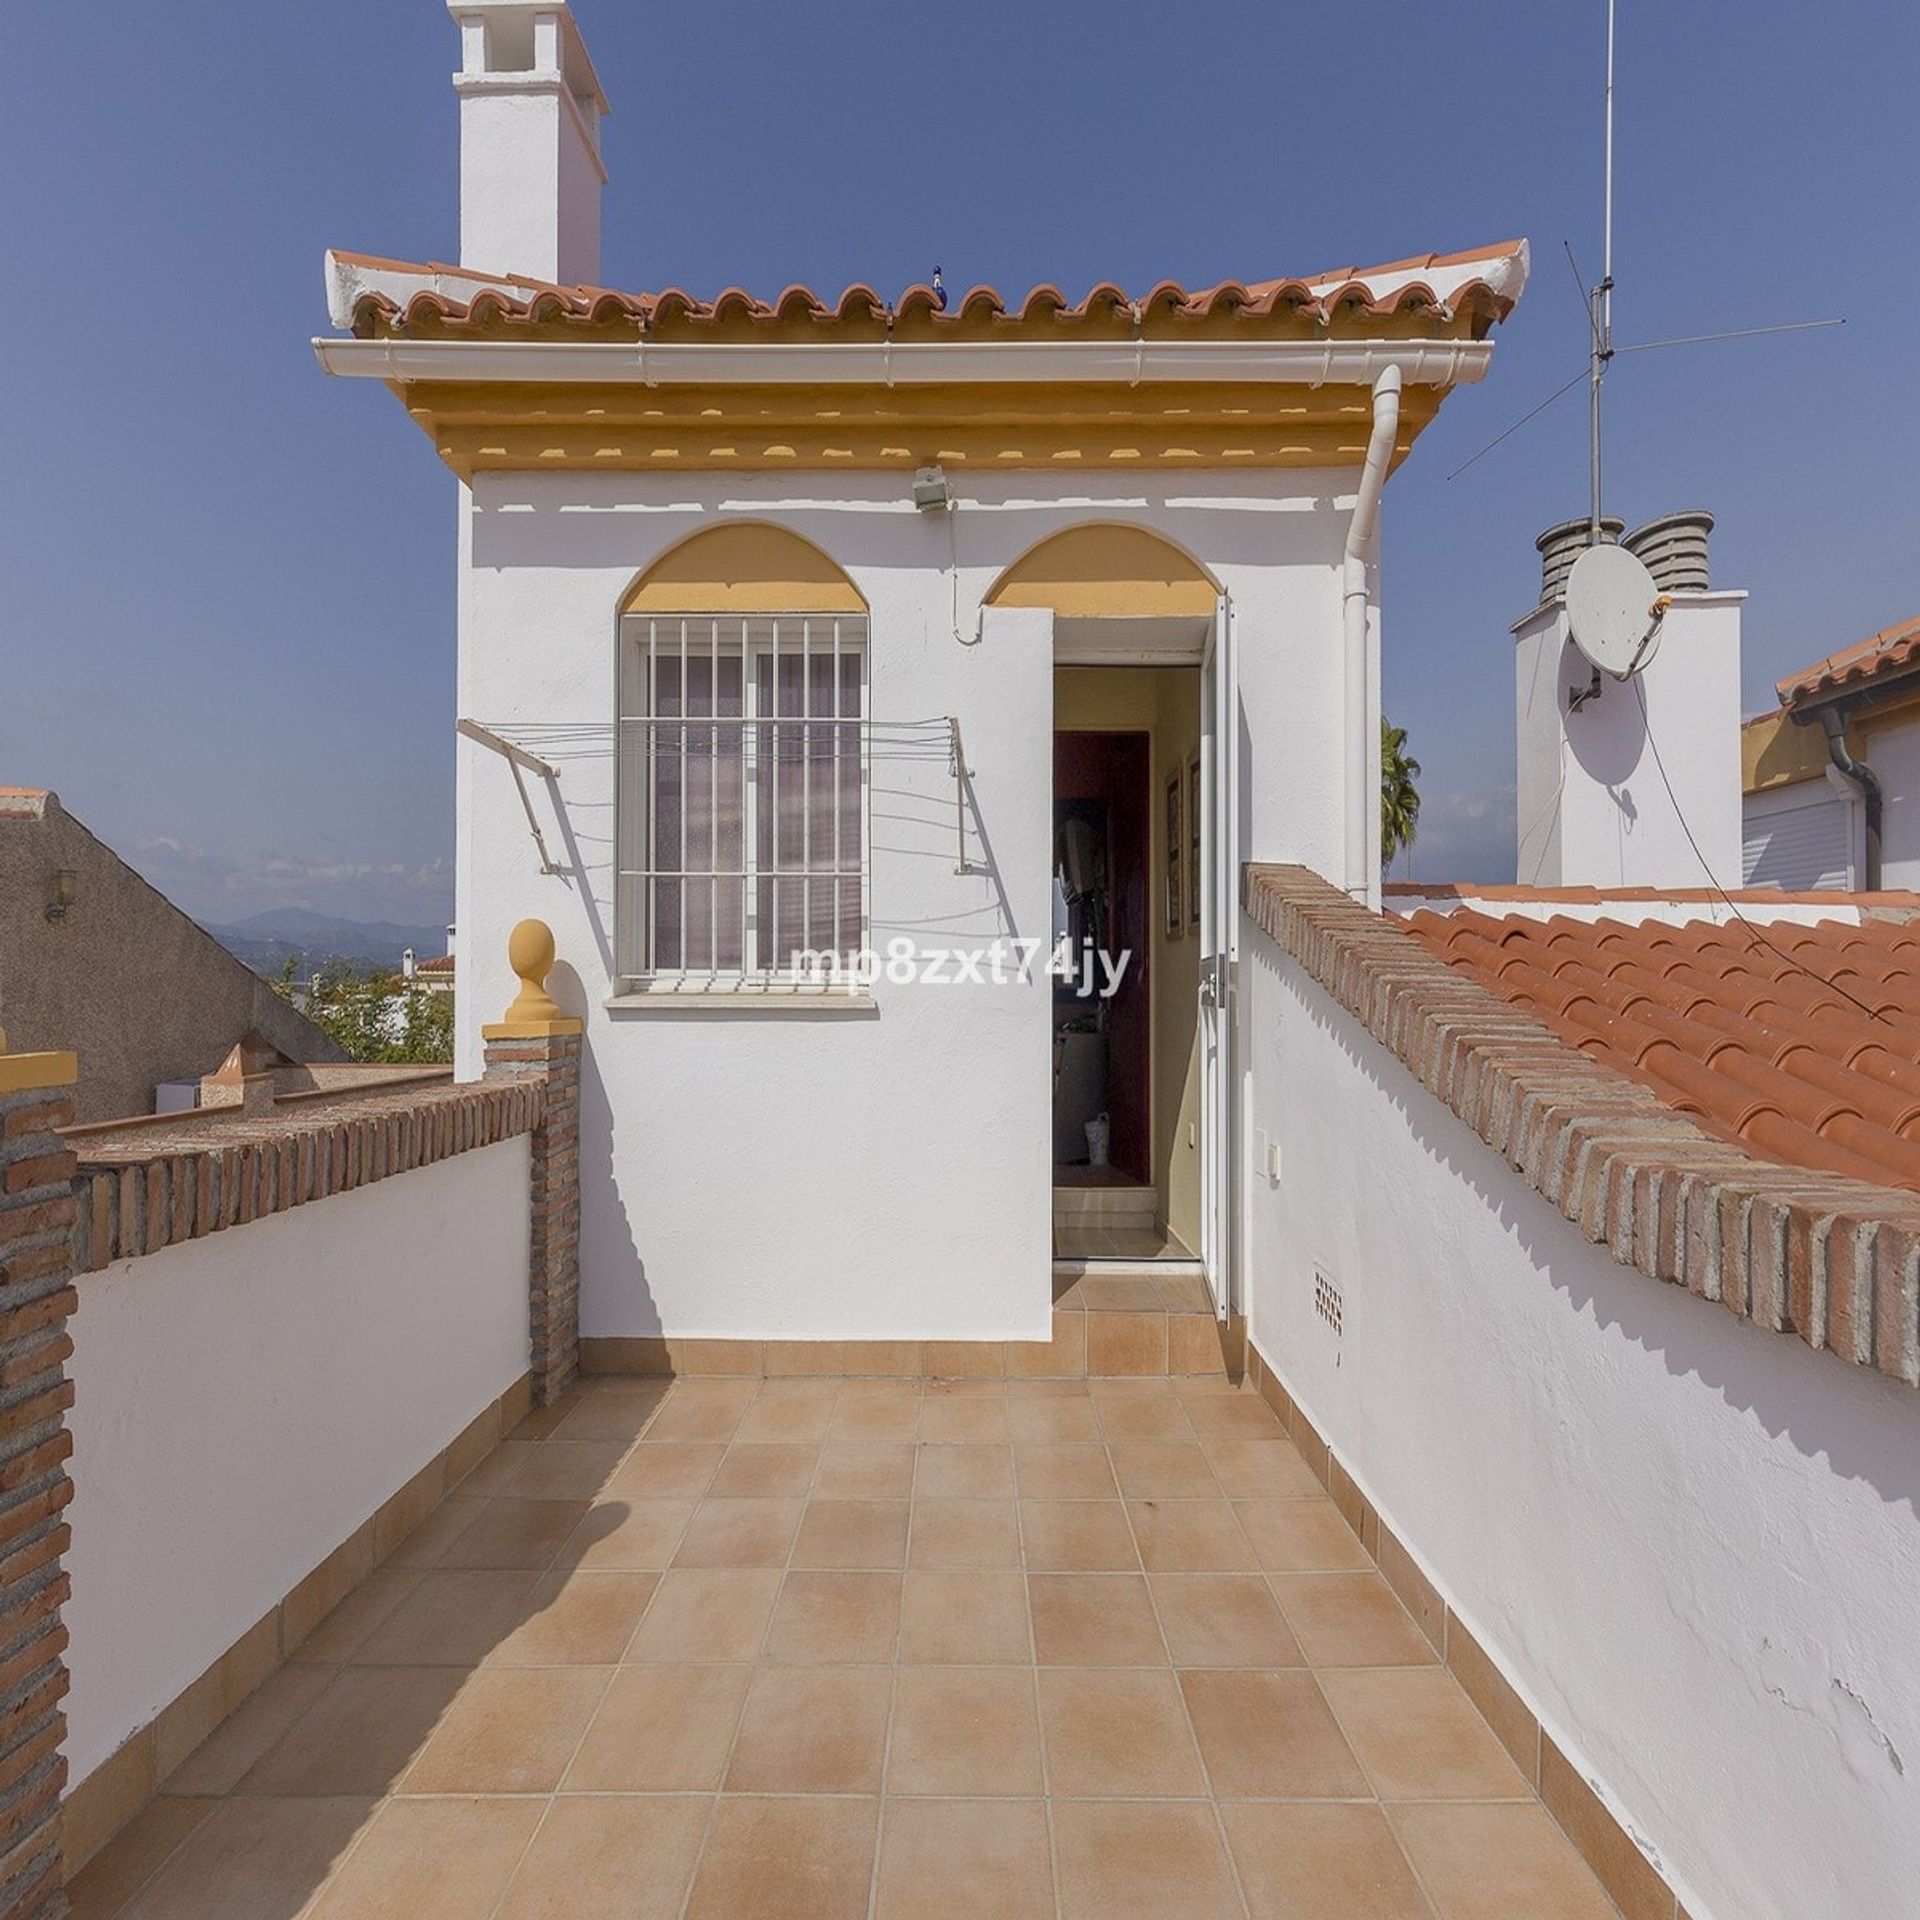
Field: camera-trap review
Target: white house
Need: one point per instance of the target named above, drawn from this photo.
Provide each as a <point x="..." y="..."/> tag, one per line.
<point x="820" y="620"/>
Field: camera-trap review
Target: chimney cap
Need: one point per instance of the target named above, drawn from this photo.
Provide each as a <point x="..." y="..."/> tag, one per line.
<point x="507" y="49"/>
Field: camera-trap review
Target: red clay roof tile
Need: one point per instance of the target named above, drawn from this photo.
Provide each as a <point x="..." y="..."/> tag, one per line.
<point x="1803" y="1043"/>
<point x="1894" y="649"/>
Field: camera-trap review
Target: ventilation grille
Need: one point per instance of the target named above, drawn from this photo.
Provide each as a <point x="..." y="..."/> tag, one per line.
<point x="1326" y="1301"/>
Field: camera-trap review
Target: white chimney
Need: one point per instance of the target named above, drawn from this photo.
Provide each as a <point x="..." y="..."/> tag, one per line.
<point x="530" y="168"/>
<point x="450" y="933"/>
<point x="1592" y="800"/>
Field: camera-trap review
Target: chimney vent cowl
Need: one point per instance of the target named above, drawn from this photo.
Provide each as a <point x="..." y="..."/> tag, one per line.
<point x="1674" y="549"/>
<point x="1561" y="546"/>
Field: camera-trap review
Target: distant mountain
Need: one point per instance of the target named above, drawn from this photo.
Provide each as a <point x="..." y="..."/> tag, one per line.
<point x="266" y="941"/>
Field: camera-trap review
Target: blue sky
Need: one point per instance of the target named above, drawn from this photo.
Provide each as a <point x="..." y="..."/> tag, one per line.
<point x="226" y="583"/>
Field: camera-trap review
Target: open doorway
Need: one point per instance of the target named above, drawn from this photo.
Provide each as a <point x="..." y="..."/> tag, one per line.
<point x="1125" y="1058"/>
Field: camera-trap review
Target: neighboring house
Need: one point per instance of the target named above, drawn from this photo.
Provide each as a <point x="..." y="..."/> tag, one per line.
<point x="1831" y="782"/>
<point x="432" y="976"/>
<point x="95" y="960"/>
<point x="787" y="607"/>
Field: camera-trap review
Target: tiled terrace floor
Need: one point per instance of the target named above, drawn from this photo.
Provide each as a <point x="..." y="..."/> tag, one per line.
<point x="862" y="1648"/>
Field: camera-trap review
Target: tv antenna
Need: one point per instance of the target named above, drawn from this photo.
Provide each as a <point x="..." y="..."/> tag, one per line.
<point x="1601" y="350"/>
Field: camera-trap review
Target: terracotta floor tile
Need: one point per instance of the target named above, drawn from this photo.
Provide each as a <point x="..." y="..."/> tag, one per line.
<point x="1119" y="1293"/>
<point x="875" y="1410"/>
<point x="1052" y="1420"/>
<point x="707" y="1613"/>
<point x="1351" y="1620"/>
<point x="134" y="1855"/>
<point x="864" y="1470"/>
<point x="964" y="1419"/>
<point x="1232" y="1416"/>
<point x="432" y="1860"/>
<point x="627" y="1535"/>
<point x="964" y="1473"/>
<point x="1262" y="1469"/>
<point x="1094" y="1620"/>
<point x="1270" y="1736"/>
<point x="425" y="1545"/>
<point x="739" y="1533"/>
<point x="537" y="1423"/>
<point x="684" y="1419"/>
<point x="360" y="1736"/>
<point x="964" y="1730"/>
<point x="812" y="1730"/>
<point x="829" y="1617"/>
<point x="676" y="1472"/>
<point x="1066" y="1471"/>
<point x="577" y="1618"/>
<point x="852" y="1533"/>
<point x="253" y="1858"/>
<point x="1163" y="1470"/>
<point x="609" y="1857"/>
<point x="786" y="1859"/>
<point x="515" y="1533"/>
<point x="1419" y="1736"/>
<point x="1143" y="1860"/>
<point x="789" y="1412"/>
<point x="219" y="1762"/>
<point x="1301" y="1536"/>
<point x="622" y="1415"/>
<point x="1223" y="1620"/>
<point x="759" y="1471"/>
<point x="1321" y="1862"/>
<point x="661" y="1730"/>
<point x="511" y="1730"/>
<point x="1498" y="1863"/>
<point x="963" y="1617"/>
<point x="1156" y="1416"/>
<point x="495" y="1473"/>
<point x="347" y="1628"/>
<point x="563" y="1470"/>
<point x="964" y="1533"/>
<point x="1190" y="1536"/>
<point x="965" y="1860"/>
<point x="1077" y="1536"/>
<point x="1117" y="1733"/>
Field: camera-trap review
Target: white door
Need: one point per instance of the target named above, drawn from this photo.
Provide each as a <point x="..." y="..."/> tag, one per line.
<point x="1219" y="943"/>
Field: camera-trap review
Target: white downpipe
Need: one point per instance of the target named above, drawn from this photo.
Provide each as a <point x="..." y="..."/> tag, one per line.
<point x="1360" y="726"/>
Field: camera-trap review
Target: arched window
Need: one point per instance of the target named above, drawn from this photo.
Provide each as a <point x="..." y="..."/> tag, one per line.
<point x="742" y="773"/>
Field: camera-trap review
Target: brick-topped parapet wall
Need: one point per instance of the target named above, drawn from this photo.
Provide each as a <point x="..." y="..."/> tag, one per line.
<point x="136" y="1192"/>
<point x="36" y="1296"/>
<point x="1833" y="1260"/>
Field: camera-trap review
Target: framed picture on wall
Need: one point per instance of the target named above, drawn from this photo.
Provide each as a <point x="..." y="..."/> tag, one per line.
<point x="1193" y="841"/>
<point x="1176" y="842"/>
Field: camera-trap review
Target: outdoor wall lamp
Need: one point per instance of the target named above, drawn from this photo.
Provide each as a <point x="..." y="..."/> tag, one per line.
<point x="930" y="489"/>
<point x="62" y="896"/>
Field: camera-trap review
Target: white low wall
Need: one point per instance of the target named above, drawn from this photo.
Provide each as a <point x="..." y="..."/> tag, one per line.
<point x="244" y="1402"/>
<point x="1690" y="1544"/>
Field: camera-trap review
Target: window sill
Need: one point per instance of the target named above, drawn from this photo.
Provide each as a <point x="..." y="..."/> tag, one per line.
<point x="753" y="1001"/>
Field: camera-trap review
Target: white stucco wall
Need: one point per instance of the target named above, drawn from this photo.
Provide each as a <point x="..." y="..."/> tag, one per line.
<point x="1691" y="1544"/>
<point x="244" y="1402"/>
<point x="826" y="1175"/>
<point x="1894" y="752"/>
<point x="1592" y="808"/>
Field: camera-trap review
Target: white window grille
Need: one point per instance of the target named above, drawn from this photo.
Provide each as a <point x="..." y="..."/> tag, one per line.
<point x="743" y="776"/>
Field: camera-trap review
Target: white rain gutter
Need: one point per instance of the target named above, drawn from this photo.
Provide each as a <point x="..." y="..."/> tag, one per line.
<point x="1362" y="731"/>
<point x="1308" y="363"/>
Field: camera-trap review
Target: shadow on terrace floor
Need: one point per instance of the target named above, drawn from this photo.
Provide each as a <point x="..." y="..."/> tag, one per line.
<point x="812" y="1648"/>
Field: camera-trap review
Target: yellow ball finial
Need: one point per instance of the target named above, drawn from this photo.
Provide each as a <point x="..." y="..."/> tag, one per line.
<point x="530" y="954"/>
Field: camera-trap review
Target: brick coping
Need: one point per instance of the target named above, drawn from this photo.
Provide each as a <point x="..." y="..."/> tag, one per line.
<point x="137" y="1193"/>
<point x="1833" y="1260"/>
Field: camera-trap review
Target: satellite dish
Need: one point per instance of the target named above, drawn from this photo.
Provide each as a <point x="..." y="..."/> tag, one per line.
<point x="1614" y="610"/>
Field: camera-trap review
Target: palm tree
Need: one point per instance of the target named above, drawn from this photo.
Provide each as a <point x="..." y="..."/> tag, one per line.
<point x="1399" y="796"/>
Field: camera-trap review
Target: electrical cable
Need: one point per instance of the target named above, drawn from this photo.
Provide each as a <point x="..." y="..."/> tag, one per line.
<point x="1726" y="899"/>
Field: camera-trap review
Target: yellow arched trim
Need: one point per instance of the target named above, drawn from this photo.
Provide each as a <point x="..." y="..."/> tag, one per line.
<point x="1107" y="572"/>
<point x="743" y="566"/>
